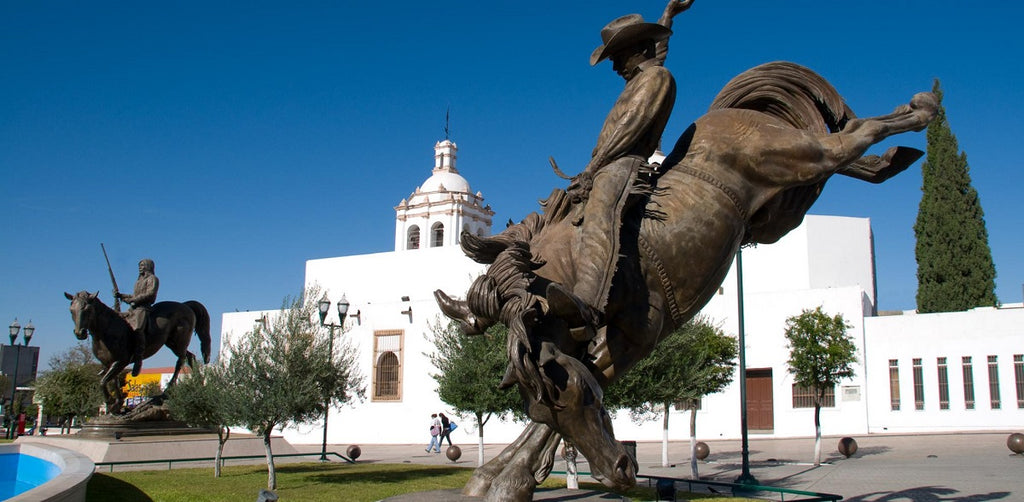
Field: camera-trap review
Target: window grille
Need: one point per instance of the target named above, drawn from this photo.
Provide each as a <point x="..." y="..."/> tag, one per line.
<point x="1018" y="374"/>
<point x="803" y="397"/>
<point x="413" y="242"/>
<point x="437" y="235"/>
<point x="918" y="384"/>
<point x="993" y="382"/>
<point x="387" y="365"/>
<point x="943" y="384"/>
<point x="686" y="405"/>
<point x="894" y="384"/>
<point x="968" y="368"/>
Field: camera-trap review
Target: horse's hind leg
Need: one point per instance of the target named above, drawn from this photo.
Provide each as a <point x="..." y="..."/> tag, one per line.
<point x="849" y="144"/>
<point x="177" y="369"/>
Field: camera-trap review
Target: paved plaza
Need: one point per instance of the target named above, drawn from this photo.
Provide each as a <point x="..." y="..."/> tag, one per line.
<point x="970" y="467"/>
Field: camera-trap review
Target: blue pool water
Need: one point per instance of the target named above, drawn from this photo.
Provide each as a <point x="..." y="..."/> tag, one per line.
<point x="20" y="473"/>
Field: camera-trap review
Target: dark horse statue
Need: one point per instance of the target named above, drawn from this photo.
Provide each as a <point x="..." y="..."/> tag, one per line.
<point x="171" y="324"/>
<point x="746" y="172"/>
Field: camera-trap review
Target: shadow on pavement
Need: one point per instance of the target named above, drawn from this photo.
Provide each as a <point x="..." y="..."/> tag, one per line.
<point x="926" y="494"/>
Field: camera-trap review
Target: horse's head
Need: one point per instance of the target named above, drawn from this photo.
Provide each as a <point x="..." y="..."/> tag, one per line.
<point x="571" y="402"/>
<point x="83" y="310"/>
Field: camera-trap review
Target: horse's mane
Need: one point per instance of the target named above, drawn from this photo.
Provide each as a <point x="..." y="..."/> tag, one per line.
<point x="95" y="300"/>
<point x="789" y="92"/>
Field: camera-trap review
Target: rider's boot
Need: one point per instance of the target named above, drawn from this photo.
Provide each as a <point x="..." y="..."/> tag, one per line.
<point x="582" y="318"/>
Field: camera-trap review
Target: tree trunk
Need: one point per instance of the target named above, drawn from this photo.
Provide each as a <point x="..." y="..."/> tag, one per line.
<point x="479" y="439"/>
<point x="664" y="436"/>
<point x="817" y="435"/>
<point x="693" y="443"/>
<point x="222" y="438"/>
<point x="271" y="472"/>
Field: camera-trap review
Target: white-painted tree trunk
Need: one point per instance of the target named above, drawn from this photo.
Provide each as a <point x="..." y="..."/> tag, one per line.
<point x="664" y="436"/>
<point x="817" y="435"/>
<point x="693" y="444"/>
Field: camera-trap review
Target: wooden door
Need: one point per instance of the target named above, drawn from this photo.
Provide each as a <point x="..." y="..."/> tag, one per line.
<point x="760" y="413"/>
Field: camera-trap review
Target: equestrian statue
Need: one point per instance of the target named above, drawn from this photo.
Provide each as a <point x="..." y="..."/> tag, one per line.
<point x="123" y="339"/>
<point x="631" y="249"/>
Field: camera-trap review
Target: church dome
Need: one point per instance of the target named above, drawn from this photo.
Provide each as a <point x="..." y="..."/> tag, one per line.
<point x="445" y="180"/>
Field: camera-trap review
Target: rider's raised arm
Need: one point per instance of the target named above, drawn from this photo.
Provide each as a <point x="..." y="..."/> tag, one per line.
<point x="673" y="8"/>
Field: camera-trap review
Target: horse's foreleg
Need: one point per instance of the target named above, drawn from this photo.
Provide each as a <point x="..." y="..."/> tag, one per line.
<point x="518" y="469"/>
<point x="113" y="398"/>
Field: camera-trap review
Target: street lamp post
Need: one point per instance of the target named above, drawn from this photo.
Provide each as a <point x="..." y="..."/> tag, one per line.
<point x="746" y="478"/>
<point x="324" y="306"/>
<point x="15" y="328"/>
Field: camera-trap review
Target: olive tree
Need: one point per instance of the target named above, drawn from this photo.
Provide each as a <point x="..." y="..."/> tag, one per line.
<point x="821" y="354"/>
<point x="206" y="398"/>
<point x="71" y="387"/>
<point x="695" y="360"/>
<point x="281" y="372"/>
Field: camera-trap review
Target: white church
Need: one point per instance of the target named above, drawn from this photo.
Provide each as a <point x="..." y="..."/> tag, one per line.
<point x="959" y="371"/>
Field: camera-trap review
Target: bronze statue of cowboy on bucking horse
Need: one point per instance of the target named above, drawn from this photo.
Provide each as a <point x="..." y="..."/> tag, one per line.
<point x="631" y="250"/>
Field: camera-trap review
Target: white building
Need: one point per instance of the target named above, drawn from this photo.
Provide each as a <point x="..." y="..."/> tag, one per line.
<point x="911" y="375"/>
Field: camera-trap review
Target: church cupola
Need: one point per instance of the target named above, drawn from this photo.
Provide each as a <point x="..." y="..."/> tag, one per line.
<point x="441" y="207"/>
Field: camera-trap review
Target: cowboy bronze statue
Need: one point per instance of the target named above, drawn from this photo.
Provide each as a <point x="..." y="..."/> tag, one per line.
<point x="631" y="250"/>
<point x="630" y="136"/>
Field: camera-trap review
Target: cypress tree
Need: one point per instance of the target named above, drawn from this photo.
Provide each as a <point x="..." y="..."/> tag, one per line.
<point x="955" y="271"/>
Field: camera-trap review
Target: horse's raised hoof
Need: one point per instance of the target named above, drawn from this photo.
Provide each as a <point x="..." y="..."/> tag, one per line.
<point x="459" y="311"/>
<point x="926" y="105"/>
<point x="924" y="101"/>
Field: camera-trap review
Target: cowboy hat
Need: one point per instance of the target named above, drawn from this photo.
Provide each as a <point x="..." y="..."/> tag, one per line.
<point x="624" y="32"/>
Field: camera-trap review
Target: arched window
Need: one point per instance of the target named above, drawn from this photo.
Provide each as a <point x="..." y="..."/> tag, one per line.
<point x="437" y="235"/>
<point x="413" y="240"/>
<point x="386" y="378"/>
<point x="387" y="365"/>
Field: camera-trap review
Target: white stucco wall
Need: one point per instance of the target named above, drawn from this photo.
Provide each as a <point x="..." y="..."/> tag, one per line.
<point x="826" y="262"/>
<point x="977" y="333"/>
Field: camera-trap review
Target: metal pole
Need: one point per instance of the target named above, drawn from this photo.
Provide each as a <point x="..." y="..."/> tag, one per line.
<point x="14" y="389"/>
<point x="327" y="400"/>
<point x="745" y="477"/>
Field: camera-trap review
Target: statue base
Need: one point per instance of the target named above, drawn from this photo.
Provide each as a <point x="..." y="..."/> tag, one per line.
<point x="104" y="427"/>
<point x="151" y="418"/>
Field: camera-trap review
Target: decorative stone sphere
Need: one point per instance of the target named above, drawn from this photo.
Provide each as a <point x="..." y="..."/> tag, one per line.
<point x="847" y="446"/>
<point x="702" y="450"/>
<point x="453" y="453"/>
<point x="354" y="451"/>
<point x="1015" y="443"/>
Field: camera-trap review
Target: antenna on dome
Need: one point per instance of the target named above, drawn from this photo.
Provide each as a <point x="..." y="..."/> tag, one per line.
<point x="447" y="115"/>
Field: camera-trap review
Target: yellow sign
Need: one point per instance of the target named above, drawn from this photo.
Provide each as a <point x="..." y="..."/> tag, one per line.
<point x="133" y="386"/>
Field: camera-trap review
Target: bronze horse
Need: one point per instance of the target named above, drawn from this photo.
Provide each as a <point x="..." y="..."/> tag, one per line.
<point x="172" y="324"/>
<point x="745" y="172"/>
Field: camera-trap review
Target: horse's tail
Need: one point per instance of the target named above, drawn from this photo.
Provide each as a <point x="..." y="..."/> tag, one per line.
<point x="789" y="92"/>
<point x="202" y="327"/>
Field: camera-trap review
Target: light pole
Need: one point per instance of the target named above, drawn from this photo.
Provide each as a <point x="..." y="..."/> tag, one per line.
<point x="746" y="478"/>
<point x="15" y="328"/>
<point x="324" y="306"/>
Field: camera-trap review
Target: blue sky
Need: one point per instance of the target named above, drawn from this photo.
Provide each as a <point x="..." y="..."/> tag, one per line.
<point x="233" y="144"/>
